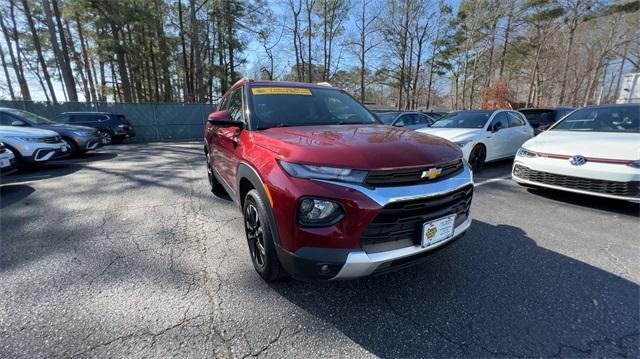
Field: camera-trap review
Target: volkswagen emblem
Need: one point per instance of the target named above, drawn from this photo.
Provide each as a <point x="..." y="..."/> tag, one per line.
<point x="577" y="160"/>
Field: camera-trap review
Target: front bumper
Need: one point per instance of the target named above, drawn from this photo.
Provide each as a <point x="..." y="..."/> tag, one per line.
<point x="88" y="143"/>
<point x="596" y="179"/>
<point x="45" y="154"/>
<point x="8" y="164"/>
<point x="345" y="250"/>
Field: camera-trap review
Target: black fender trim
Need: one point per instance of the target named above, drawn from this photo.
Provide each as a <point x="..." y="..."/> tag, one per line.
<point x="246" y="171"/>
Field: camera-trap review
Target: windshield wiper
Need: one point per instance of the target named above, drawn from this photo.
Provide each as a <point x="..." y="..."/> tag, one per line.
<point x="352" y="123"/>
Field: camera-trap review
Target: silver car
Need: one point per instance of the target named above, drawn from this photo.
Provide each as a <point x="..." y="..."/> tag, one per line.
<point x="410" y="120"/>
<point x="32" y="145"/>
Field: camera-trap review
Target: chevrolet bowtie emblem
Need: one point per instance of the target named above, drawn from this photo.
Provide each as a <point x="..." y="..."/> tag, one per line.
<point x="431" y="173"/>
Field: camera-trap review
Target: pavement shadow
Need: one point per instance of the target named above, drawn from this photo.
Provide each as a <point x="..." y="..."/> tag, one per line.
<point x="11" y="194"/>
<point x="493" y="293"/>
<point x="605" y="204"/>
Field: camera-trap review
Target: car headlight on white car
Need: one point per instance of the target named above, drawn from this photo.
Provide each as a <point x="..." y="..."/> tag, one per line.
<point x="323" y="173"/>
<point x="523" y="152"/>
<point x="28" y="139"/>
<point x="461" y="144"/>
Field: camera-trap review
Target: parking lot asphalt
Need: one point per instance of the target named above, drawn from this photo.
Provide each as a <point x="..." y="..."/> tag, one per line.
<point x="126" y="253"/>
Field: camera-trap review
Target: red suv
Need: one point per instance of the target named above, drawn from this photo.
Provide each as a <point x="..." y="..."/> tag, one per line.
<point x="327" y="190"/>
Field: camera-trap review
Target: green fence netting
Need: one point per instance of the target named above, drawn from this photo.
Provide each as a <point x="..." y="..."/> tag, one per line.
<point x="152" y="121"/>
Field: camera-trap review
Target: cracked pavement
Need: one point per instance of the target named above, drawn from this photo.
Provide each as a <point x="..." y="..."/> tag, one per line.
<point x="125" y="253"/>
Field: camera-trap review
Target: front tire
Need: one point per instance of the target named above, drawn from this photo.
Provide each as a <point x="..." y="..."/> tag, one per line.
<point x="73" y="148"/>
<point x="477" y="157"/>
<point x="106" y="137"/>
<point x="260" y="238"/>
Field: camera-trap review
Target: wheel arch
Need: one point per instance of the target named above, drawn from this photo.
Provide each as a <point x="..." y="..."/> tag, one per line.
<point x="249" y="179"/>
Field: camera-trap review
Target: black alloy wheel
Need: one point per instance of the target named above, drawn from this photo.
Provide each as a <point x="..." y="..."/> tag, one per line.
<point x="477" y="157"/>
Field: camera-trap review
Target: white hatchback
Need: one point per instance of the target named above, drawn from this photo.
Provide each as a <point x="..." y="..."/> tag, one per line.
<point x="594" y="150"/>
<point x="483" y="135"/>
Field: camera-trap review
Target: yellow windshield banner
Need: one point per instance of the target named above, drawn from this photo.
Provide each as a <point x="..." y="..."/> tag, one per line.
<point x="280" y="91"/>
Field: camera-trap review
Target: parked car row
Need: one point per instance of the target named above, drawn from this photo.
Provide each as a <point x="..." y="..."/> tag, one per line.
<point x="27" y="138"/>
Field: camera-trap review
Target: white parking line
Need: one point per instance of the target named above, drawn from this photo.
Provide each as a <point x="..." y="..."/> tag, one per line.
<point x="492" y="180"/>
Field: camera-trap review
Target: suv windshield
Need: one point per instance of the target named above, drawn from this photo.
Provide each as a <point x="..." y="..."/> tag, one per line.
<point x="602" y="119"/>
<point x="299" y="106"/>
<point x="463" y="120"/>
<point x="32" y="118"/>
<point x="538" y="117"/>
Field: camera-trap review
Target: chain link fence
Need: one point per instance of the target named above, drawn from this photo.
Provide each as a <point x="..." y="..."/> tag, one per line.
<point x="151" y="121"/>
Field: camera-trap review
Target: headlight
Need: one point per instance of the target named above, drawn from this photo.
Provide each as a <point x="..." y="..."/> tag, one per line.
<point x="27" y="139"/>
<point x="81" y="133"/>
<point x="462" y="143"/>
<point x="523" y="152"/>
<point x="635" y="164"/>
<point x="324" y="173"/>
<point x="317" y="212"/>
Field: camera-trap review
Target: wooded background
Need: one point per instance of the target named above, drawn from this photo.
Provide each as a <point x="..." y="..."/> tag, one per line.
<point x="399" y="53"/>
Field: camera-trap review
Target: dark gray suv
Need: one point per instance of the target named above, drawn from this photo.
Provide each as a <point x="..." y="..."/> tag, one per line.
<point x="113" y="127"/>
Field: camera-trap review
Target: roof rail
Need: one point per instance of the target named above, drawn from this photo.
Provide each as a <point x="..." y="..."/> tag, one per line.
<point x="244" y="79"/>
<point x="324" y="84"/>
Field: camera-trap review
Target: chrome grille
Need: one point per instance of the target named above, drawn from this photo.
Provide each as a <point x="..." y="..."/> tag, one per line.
<point x="411" y="175"/>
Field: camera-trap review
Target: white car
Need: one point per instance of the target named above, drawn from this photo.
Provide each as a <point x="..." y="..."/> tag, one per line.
<point x="484" y="135"/>
<point x="32" y="145"/>
<point x="594" y="150"/>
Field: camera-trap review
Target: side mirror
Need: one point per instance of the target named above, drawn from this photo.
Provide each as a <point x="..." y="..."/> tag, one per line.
<point x="18" y="123"/>
<point x="223" y="119"/>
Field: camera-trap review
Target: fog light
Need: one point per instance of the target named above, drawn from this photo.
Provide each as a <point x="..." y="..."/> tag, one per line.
<point x="316" y="212"/>
<point x="324" y="269"/>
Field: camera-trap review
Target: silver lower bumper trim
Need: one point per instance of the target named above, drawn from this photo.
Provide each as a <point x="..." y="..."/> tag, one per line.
<point x="360" y="264"/>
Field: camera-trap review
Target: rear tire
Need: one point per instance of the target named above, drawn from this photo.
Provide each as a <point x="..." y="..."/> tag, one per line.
<point x="259" y="235"/>
<point x="477" y="157"/>
<point x="215" y="186"/>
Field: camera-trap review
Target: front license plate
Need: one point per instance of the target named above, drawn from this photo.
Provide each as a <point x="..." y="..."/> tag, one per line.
<point x="4" y="163"/>
<point x="437" y="230"/>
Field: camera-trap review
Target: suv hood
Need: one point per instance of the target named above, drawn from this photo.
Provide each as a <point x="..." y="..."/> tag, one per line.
<point x="64" y="127"/>
<point x="612" y="145"/>
<point x="366" y="147"/>
<point x="25" y="132"/>
<point x="452" y="134"/>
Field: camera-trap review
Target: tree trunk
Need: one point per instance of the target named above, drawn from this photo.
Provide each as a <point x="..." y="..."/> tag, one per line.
<point x="122" y="65"/>
<point x="195" y="45"/>
<point x="310" y="4"/>
<point x="7" y="76"/>
<point x="16" y="60"/>
<point x="567" y="56"/>
<point x="185" y="62"/>
<point x="87" y="62"/>
<point x="38" y="48"/>
<point x="507" y="32"/>
<point x="78" y="62"/>
<point x="67" y="72"/>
